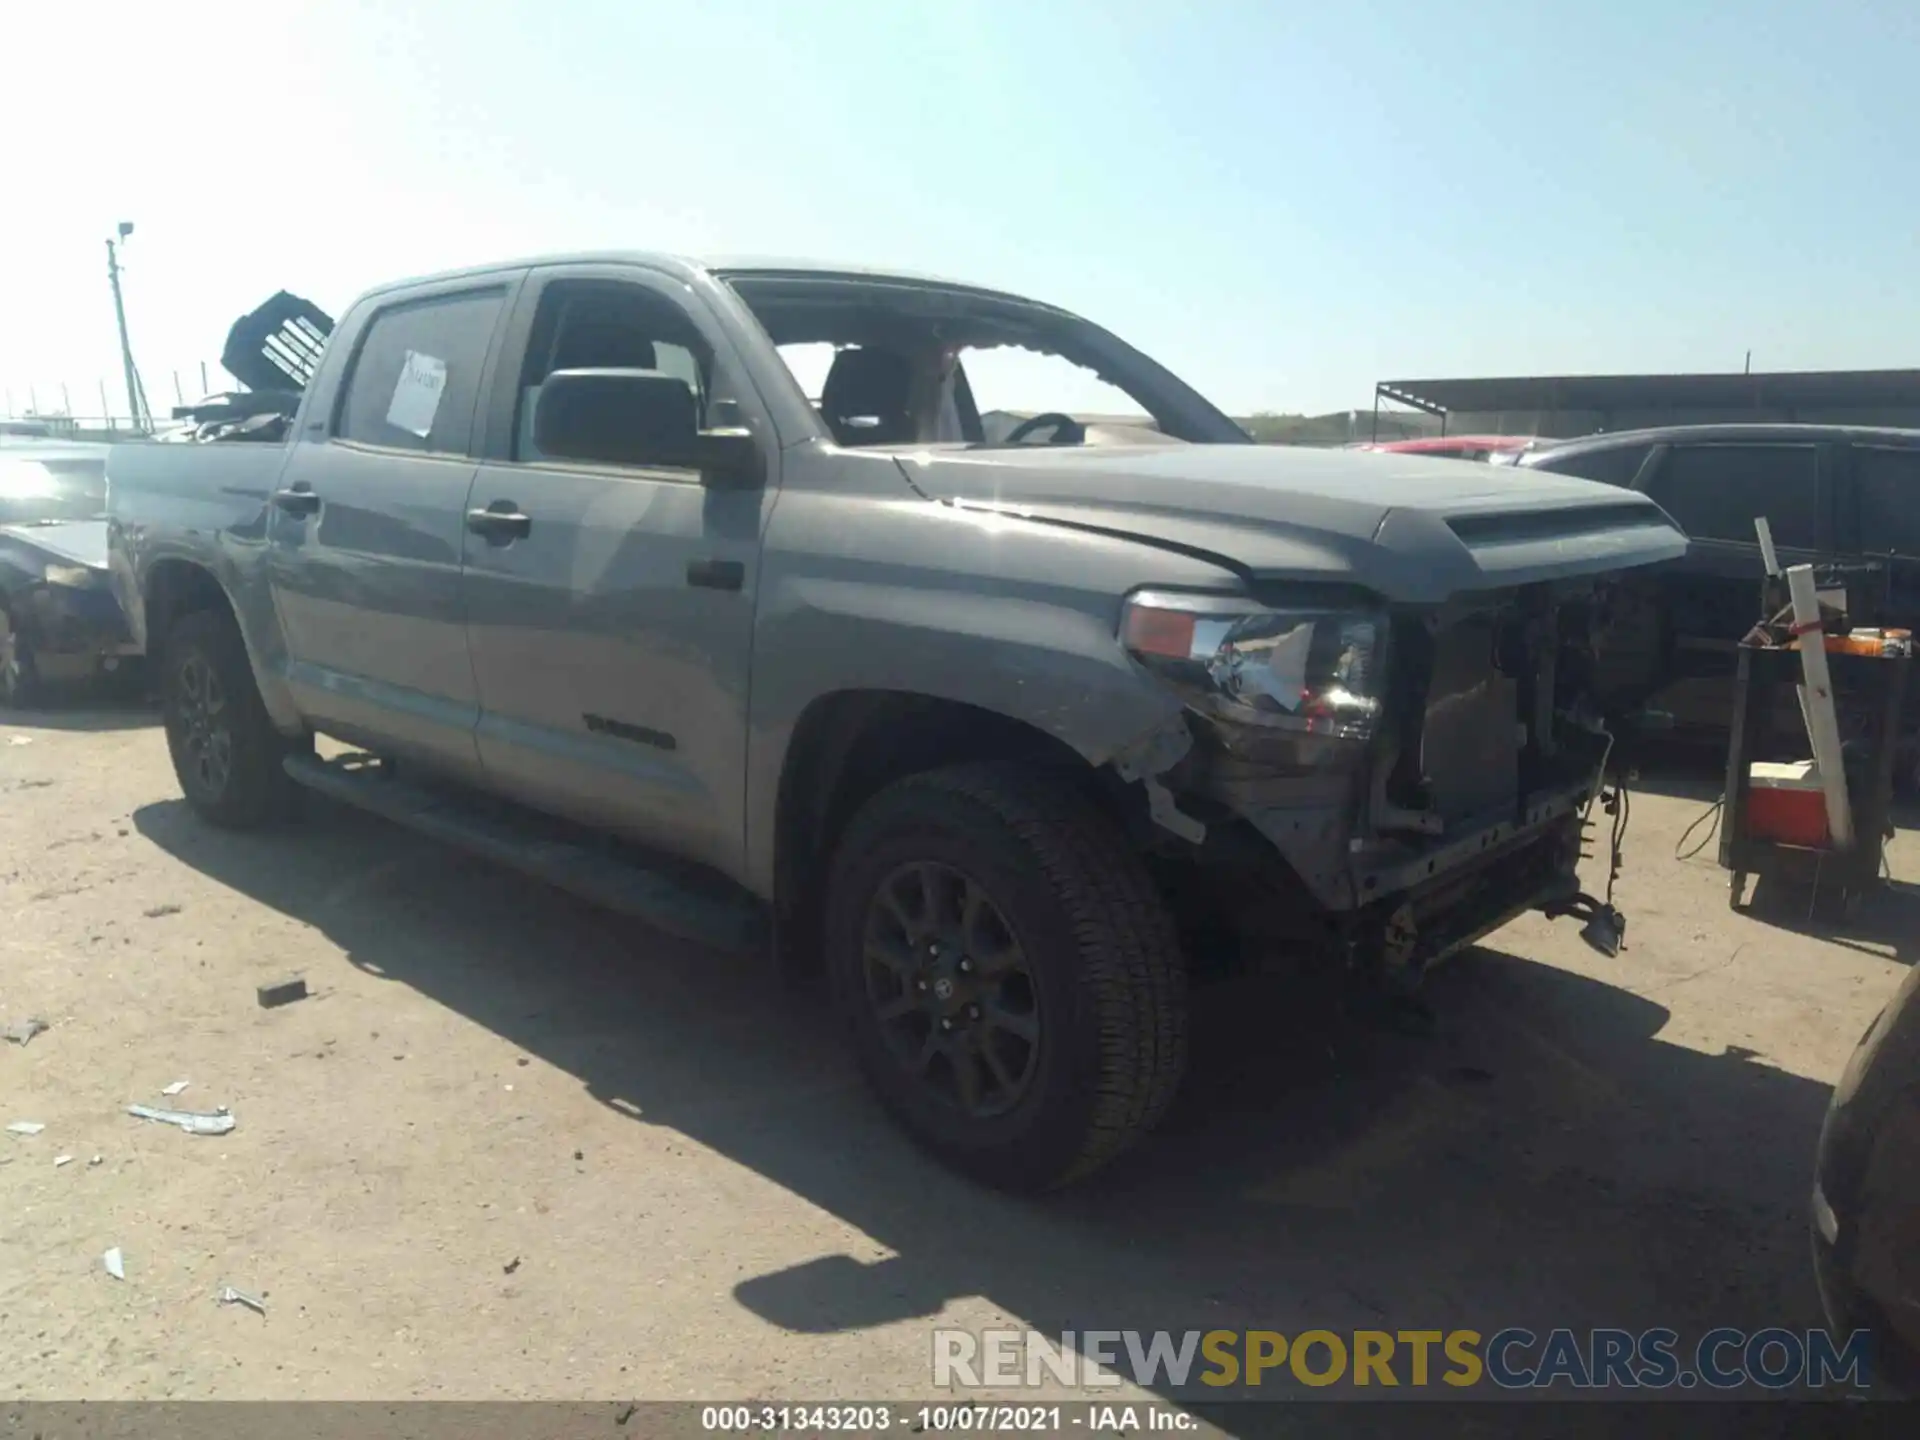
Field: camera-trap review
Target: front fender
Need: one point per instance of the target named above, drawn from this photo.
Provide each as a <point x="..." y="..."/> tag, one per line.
<point x="915" y="597"/>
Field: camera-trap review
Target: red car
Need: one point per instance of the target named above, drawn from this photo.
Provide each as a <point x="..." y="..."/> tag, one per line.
<point x="1456" y="447"/>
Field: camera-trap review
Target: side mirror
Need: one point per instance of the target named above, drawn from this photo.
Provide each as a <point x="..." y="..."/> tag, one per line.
<point x="637" y="417"/>
<point x="730" y="458"/>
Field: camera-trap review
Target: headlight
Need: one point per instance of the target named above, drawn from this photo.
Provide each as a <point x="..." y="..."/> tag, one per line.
<point x="73" y="577"/>
<point x="1314" y="671"/>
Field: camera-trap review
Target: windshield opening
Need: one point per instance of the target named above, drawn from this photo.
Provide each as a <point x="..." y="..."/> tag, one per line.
<point x="896" y="363"/>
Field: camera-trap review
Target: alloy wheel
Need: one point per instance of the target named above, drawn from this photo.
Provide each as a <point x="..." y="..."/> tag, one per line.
<point x="206" y="734"/>
<point x="952" y="989"/>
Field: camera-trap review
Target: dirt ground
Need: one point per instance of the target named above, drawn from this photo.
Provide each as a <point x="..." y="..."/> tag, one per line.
<point x="512" y="1147"/>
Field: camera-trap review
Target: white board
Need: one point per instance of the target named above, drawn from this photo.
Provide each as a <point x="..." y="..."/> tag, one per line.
<point x="416" y="394"/>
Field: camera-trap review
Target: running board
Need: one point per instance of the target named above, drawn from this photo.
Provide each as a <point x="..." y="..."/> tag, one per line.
<point x="672" y="898"/>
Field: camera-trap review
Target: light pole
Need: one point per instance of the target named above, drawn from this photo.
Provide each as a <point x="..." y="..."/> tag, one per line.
<point x="136" y="397"/>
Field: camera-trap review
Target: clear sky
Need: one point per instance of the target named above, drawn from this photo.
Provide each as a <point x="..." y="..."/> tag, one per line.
<point x="1283" y="202"/>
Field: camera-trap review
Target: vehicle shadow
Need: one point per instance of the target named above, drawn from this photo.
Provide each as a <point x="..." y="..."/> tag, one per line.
<point x="1543" y="1160"/>
<point x="1886" y="926"/>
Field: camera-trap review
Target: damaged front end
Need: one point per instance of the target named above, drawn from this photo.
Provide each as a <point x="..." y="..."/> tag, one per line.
<point x="1393" y="782"/>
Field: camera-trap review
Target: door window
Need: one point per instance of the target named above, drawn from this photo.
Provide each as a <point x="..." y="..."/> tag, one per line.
<point x="417" y="373"/>
<point x="1716" y="491"/>
<point x="608" y="325"/>
<point x="1887" y="484"/>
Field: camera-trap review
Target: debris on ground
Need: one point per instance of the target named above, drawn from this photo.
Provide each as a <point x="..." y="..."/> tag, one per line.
<point x="22" y="1031"/>
<point x="19" y="740"/>
<point x="25" y="1127"/>
<point x="218" y="1123"/>
<point x="60" y="1160"/>
<point x="511" y="1266"/>
<point x="115" y="1263"/>
<point x="175" y="1088"/>
<point x="282" y="992"/>
<point x="96" y="1160"/>
<point x="157" y="911"/>
<point x="230" y="1296"/>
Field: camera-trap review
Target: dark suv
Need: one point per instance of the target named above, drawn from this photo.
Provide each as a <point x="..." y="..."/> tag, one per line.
<point x="1831" y="494"/>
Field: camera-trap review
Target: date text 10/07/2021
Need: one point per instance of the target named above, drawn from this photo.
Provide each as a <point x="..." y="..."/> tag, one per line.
<point x="962" y="1417"/>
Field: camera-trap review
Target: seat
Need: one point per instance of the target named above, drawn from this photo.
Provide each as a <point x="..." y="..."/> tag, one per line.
<point x="602" y="342"/>
<point x="867" y="398"/>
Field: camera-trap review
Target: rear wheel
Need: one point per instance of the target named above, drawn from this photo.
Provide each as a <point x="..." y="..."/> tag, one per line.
<point x="226" y="752"/>
<point x="1011" y="978"/>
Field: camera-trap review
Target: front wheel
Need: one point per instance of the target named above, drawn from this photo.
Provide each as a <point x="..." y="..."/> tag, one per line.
<point x="1011" y="978"/>
<point x="226" y="752"/>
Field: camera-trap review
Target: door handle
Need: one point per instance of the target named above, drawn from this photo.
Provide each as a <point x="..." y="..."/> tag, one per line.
<point x="297" y="500"/>
<point x="501" y="522"/>
<point x="716" y="574"/>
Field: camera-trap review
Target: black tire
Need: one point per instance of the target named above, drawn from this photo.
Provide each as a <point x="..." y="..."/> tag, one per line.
<point x="248" y="788"/>
<point x="20" y="687"/>
<point x="1095" y="941"/>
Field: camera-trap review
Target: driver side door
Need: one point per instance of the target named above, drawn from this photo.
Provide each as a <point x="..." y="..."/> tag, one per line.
<point x="611" y="636"/>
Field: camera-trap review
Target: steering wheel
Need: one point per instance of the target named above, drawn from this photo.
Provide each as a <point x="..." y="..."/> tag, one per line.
<point x="1067" y="430"/>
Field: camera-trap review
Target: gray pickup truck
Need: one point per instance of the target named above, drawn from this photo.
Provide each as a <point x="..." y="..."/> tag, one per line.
<point x="1009" y="736"/>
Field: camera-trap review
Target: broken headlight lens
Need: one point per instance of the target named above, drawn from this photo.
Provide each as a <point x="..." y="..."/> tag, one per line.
<point x="1314" y="671"/>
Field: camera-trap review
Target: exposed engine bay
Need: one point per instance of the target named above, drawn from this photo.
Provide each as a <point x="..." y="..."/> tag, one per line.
<point x="1395" y="783"/>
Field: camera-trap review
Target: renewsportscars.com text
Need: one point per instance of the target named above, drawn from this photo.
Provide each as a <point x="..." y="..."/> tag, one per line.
<point x="1512" y="1359"/>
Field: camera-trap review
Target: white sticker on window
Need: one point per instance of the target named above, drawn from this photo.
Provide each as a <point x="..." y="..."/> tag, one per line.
<point x="416" y="395"/>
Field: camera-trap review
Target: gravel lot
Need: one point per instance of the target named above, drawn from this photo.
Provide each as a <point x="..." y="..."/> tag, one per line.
<point x="512" y="1147"/>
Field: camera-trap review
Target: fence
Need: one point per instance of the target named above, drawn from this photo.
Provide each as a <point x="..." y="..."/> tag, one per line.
<point x="49" y="409"/>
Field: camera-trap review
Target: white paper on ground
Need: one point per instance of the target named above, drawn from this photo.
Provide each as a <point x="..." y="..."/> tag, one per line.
<point x="416" y="394"/>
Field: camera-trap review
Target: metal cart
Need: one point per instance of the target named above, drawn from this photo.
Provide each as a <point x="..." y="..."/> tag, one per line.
<point x="1873" y="687"/>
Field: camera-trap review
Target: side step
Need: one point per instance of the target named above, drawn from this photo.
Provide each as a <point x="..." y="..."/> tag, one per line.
<point x="675" y="898"/>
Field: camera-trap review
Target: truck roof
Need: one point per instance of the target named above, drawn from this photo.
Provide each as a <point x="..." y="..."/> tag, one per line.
<point x="689" y="267"/>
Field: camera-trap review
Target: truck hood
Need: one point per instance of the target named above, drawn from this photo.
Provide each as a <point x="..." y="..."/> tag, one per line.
<point x="1412" y="530"/>
<point x="67" y="542"/>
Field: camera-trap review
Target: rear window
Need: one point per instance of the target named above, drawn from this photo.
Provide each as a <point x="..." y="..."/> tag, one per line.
<point x="417" y="374"/>
<point x="1716" y="491"/>
<point x="1611" y="464"/>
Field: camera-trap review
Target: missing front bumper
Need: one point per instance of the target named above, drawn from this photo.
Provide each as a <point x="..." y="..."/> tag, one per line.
<point x="1436" y="919"/>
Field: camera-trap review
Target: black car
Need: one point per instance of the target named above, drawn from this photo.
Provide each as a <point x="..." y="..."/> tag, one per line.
<point x="1866" y="1195"/>
<point x="1833" y="495"/>
<point x="58" y="617"/>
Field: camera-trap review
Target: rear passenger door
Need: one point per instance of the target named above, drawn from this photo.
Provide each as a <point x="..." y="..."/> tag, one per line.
<point x="1886" y="522"/>
<point x="364" y="533"/>
<point x="1714" y="492"/>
